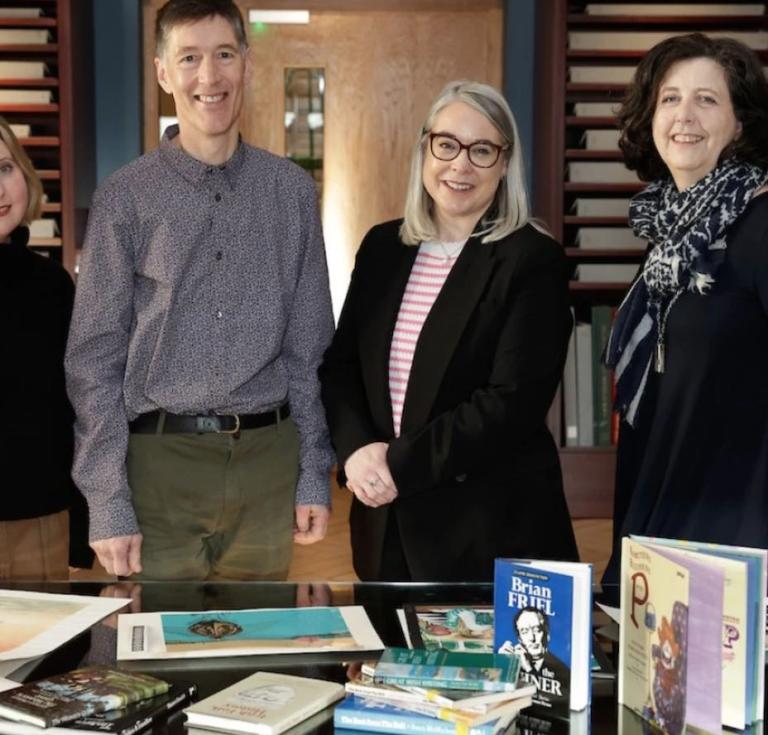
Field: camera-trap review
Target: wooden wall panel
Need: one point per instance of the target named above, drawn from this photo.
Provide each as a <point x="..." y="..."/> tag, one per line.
<point x="383" y="67"/>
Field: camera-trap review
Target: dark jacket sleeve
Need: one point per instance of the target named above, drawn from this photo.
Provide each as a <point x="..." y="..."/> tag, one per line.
<point x="482" y="432"/>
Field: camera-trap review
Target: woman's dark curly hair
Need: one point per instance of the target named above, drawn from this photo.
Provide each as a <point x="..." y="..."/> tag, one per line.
<point x="749" y="96"/>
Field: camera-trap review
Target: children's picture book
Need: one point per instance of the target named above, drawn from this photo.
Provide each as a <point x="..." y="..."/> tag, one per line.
<point x="79" y="693"/>
<point x="670" y="657"/>
<point x="452" y="627"/>
<point x="134" y="718"/>
<point x="741" y="632"/>
<point x="440" y="669"/>
<point x="264" y="704"/>
<point x="33" y="624"/>
<point x="543" y="614"/>
<point x="355" y="713"/>
<point x="245" y="632"/>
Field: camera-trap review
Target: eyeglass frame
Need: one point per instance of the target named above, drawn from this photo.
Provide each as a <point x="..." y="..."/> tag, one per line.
<point x="466" y="146"/>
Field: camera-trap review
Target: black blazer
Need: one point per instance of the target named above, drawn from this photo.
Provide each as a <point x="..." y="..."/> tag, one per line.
<point x="476" y="468"/>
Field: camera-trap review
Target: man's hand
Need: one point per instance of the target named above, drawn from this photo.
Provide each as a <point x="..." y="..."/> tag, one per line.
<point x="120" y="555"/>
<point x="311" y="523"/>
<point x="368" y="475"/>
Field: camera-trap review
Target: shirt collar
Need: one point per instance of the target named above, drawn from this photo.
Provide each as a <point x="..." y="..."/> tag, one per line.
<point x="197" y="171"/>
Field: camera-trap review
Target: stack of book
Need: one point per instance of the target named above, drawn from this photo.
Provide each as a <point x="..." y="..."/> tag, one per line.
<point x="94" y="699"/>
<point x="436" y="692"/>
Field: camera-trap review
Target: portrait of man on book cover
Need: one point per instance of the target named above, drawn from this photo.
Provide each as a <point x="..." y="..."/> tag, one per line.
<point x="539" y="665"/>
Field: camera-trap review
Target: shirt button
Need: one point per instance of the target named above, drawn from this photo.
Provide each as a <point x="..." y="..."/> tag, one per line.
<point x="218" y="197"/>
<point x="219" y="255"/>
<point x="219" y="314"/>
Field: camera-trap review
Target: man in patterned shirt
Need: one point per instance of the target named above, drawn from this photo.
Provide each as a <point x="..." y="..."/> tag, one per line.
<point x="201" y="315"/>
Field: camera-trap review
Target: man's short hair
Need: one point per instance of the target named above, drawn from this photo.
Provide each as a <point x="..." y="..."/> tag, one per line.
<point x="542" y="619"/>
<point x="180" y="12"/>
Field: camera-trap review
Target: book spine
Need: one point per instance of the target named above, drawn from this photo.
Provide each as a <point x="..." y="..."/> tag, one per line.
<point x="601" y="376"/>
<point x="172" y="705"/>
<point x="401" y="722"/>
<point x="473" y="685"/>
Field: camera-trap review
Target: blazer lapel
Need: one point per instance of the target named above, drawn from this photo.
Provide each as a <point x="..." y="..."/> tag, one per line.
<point x="376" y="340"/>
<point x="443" y="328"/>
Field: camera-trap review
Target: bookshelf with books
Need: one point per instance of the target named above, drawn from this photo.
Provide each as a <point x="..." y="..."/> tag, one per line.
<point x="586" y="53"/>
<point x="45" y="45"/>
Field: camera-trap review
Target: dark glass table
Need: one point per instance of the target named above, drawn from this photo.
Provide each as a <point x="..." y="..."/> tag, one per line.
<point x="381" y="602"/>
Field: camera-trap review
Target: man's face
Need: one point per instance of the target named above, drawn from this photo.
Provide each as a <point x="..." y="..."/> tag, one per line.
<point x="531" y="632"/>
<point x="205" y="70"/>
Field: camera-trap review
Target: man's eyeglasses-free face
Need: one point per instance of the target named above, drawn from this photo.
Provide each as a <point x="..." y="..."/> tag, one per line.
<point x="482" y="153"/>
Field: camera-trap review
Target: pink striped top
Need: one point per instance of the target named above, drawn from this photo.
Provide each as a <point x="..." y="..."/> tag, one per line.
<point x="430" y="269"/>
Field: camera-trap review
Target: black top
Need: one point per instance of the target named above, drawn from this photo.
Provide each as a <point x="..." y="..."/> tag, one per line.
<point x="476" y="468"/>
<point x="36" y="296"/>
<point x="696" y="464"/>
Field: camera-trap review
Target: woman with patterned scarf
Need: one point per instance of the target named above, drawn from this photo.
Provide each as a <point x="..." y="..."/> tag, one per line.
<point x="690" y="342"/>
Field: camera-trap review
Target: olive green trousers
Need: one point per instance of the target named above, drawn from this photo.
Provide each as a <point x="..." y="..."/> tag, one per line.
<point x="215" y="506"/>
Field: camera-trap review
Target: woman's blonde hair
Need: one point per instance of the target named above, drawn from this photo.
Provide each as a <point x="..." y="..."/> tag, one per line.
<point x="19" y="155"/>
<point x="509" y="210"/>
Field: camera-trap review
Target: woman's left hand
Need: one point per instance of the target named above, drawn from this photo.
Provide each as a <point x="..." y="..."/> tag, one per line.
<point x="368" y="475"/>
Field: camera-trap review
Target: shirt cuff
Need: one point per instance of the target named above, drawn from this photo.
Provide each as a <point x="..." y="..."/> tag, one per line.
<point x="314" y="489"/>
<point x="117" y="518"/>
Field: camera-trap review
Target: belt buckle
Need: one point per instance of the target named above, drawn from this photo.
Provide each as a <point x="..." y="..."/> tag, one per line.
<point x="236" y="430"/>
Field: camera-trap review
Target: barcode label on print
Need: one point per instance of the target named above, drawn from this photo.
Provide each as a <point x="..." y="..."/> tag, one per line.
<point x="138" y="638"/>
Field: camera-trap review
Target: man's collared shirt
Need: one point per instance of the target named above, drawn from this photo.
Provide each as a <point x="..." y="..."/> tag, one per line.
<point x="202" y="288"/>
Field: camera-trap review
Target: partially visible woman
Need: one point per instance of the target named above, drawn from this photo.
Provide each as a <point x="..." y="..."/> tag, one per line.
<point x="447" y="355"/>
<point x="690" y="342"/>
<point x="36" y="298"/>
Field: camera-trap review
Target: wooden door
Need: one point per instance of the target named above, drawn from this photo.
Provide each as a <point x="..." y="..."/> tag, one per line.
<point x="384" y="62"/>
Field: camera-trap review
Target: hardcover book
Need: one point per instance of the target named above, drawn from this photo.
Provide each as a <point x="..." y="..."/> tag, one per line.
<point x="364" y="714"/>
<point x="670" y="638"/>
<point x="264" y="704"/>
<point x="440" y="669"/>
<point x="77" y="694"/>
<point x="543" y="614"/>
<point x="452" y="627"/>
<point x="134" y="718"/>
<point x="742" y="634"/>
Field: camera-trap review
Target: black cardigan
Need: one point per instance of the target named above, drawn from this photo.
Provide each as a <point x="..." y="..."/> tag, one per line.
<point x="36" y="296"/>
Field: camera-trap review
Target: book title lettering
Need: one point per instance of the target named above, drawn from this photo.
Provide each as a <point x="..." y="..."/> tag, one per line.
<point x="525" y="594"/>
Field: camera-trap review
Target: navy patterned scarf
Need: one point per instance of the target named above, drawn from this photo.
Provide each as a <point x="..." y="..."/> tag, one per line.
<point x="687" y="231"/>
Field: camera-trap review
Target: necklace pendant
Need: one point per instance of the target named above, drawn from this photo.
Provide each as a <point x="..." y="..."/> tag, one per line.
<point x="659" y="358"/>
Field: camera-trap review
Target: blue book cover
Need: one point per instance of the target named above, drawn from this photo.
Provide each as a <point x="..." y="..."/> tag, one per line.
<point x="356" y="713"/>
<point x="537" y="611"/>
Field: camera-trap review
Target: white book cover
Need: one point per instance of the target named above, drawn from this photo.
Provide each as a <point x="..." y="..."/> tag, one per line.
<point x="608" y="238"/>
<point x="602" y="140"/>
<point x="584" y="388"/>
<point x="607" y="273"/>
<point x="23" y="36"/>
<point x="601" y="207"/>
<point x="21" y="131"/>
<point x="602" y="74"/>
<point x="601" y="172"/>
<point x="35" y="623"/>
<point x="210" y="633"/>
<point x="675" y="9"/>
<point x="644" y="40"/>
<point x="264" y="704"/>
<point x="20" y="12"/>
<point x="26" y="96"/>
<point x="43" y="228"/>
<point x="22" y="69"/>
<point x="595" y="109"/>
